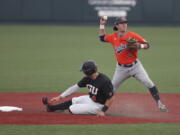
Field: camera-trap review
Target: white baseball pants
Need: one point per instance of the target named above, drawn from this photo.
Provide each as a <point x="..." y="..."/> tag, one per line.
<point x="84" y="105"/>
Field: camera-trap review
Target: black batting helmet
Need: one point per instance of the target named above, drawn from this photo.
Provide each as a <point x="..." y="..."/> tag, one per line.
<point x="89" y="67"/>
<point x="118" y="21"/>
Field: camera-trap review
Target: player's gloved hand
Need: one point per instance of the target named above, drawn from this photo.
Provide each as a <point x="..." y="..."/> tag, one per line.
<point x="101" y="113"/>
<point x="132" y="44"/>
<point x="55" y="99"/>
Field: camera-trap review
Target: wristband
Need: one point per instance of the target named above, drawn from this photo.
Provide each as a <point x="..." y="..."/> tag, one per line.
<point x="101" y="26"/>
<point x="105" y="108"/>
<point x="142" y="46"/>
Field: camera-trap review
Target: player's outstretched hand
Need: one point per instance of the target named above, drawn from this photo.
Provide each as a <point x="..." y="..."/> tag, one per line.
<point x="55" y="99"/>
<point x="100" y="114"/>
<point x="102" y="21"/>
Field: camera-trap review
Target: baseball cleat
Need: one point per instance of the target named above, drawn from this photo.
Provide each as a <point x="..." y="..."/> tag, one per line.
<point x="162" y="108"/>
<point x="45" y="102"/>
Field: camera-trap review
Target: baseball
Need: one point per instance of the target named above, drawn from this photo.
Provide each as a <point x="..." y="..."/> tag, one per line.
<point x="105" y="17"/>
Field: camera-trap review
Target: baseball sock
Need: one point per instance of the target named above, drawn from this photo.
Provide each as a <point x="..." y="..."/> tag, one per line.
<point x="155" y="94"/>
<point x="62" y="106"/>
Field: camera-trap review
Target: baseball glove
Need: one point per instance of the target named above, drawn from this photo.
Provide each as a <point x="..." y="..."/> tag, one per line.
<point x="132" y="44"/>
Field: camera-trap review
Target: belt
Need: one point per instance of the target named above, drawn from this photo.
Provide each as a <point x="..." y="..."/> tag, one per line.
<point x="128" y="65"/>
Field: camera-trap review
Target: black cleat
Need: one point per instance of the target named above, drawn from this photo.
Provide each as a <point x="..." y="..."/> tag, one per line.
<point x="45" y="102"/>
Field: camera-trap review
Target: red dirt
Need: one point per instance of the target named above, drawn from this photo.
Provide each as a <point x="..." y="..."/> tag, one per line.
<point x="126" y="109"/>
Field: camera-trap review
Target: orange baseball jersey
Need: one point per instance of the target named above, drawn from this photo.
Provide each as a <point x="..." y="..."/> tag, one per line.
<point x="122" y="53"/>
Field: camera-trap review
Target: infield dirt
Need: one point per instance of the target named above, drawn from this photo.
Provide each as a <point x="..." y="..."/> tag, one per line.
<point x="126" y="109"/>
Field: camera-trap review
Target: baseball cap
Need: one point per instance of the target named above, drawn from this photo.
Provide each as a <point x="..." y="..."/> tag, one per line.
<point x="88" y="67"/>
<point x="118" y="21"/>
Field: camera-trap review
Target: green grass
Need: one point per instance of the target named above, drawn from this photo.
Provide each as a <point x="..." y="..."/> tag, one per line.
<point x="127" y="129"/>
<point x="48" y="58"/>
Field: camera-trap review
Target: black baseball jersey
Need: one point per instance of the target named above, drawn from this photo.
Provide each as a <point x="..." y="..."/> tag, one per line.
<point x="100" y="89"/>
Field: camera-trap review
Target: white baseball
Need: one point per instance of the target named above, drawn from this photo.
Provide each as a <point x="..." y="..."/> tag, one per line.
<point x="105" y="17"/>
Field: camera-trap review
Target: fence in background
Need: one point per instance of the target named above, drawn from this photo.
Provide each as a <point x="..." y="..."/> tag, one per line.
<point x="86" y="11"/>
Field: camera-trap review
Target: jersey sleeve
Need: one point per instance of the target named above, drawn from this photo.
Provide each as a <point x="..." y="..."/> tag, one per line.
<point x="69" y="91"/>
<point x="82" y="83"/>
<point x="139" y="38"/>
<point x="108" y="38"/>
<point x="108" y="89"/>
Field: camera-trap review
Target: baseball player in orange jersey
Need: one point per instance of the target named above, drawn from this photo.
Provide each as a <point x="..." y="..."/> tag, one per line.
<point x="128" y="64"/>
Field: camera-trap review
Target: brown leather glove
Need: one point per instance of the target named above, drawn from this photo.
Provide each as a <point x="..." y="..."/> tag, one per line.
<point x="132" y="44"/>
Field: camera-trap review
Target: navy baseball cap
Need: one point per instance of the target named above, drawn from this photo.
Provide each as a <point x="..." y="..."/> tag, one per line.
<point x="88" y="67"/>
<point x="119" y="20"/>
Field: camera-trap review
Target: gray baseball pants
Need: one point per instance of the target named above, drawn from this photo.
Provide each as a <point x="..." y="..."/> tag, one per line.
<point x="137" y="71"/>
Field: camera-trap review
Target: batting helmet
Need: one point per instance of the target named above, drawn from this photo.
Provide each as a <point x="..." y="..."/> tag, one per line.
<point x="89" y="67"/>
<point x="118" y="21"/>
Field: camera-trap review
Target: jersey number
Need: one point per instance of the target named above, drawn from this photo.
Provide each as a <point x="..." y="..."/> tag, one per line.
<point x="92" y="89"/>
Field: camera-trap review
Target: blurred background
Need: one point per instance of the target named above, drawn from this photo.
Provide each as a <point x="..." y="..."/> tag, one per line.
<point x="147" y="12"/>
<point x="44" y="42"/>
